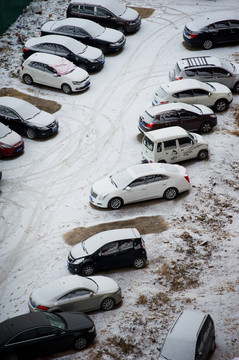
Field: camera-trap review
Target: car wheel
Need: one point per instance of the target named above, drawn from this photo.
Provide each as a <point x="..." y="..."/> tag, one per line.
<point x="103" y="48"/>
<point x="202" y="155"/>
<point x="80" y="343"/>
<point x="139" y="263"/>
<point x="206" y="127"/>
<point x="115" y="203"/>
<point x="221" y="105"/>
<point x="170" y="193"/>
<point x="12" y="357"/>
<point x="66" y="88"/>
<point x="236" y="87"/>
<point x="207" y="44"/>
<point x="27" y="79"/>
<point x="88" y="270"/>
<point x="31" y="134"/>
<point x="121" y="29"/>
<point x="107" y="304"/>
<point x="213" y="346"/>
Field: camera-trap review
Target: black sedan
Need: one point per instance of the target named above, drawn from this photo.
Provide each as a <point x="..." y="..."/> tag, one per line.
<point x="34" y="334"/>
<point x="88" y="32"/>
<point x="86" y="57"/>
<point x="26" y="119"/>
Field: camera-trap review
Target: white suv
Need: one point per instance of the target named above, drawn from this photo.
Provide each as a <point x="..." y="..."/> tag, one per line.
<point x="191" y="91"/>
<point x="55" y="71"/>
<point x="207" y="68"/>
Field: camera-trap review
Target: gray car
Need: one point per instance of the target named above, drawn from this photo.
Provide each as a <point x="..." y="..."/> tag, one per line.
<point x="207" y="68"/>
<point x="76" y="293"/>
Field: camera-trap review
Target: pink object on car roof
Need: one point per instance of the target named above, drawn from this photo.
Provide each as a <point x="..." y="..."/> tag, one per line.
<point x="64" y="67"/>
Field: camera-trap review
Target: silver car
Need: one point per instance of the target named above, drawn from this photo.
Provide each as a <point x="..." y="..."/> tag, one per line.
<point x="76" y="293"/>
<point x="207" y="68"/>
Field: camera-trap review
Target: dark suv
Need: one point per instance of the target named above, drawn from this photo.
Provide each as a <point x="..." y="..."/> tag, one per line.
<point x="107" y="13"/>
<point x="107" y="250"/>
<point x="210" y="30"/>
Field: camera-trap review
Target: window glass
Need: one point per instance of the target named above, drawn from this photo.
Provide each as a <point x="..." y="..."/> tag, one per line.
<point x="49" y="69"/>
<point x="75" y="8"/>
<point x="45" y="331"/>
<point x="190" y="72"/>
<point x="170" y="144"/>
<point x="55" y="320"/>
<point x="148" y="143"/>
<point x="37" y="65"/>
<point x="48" y="47"/>
<point x="110" y="248"/>
<point x="220" y="72"/>
<point x="185" y="94"/>
<point x="234" y="23"/>
<point x="159" y="147"/>
<point x="125" y="244"/>
<point x="185" y="141"/>
<point x="200" y="92"/>
<point x="75" y="293"/>
<point x="204" y="72"/>
<point x="66" y="29"/>
<point x="172" y="116"/>
<point x="87" y="10"/>
<point x="61" y="50"/>
<point x="138" y="182"/>
<point x="80" y="32"/>
<point x="8" y="113"/>
<point x="186" y="114"/>
<point x="221" y="25"/>
<point x="24" y="336"/>
<point x="102" y="12"/>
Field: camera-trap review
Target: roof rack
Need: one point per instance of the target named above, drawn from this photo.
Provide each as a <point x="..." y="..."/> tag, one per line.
<point x="197" y="61"/>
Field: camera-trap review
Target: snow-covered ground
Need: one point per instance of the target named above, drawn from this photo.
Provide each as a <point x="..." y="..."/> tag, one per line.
<point x="44" y="193"/>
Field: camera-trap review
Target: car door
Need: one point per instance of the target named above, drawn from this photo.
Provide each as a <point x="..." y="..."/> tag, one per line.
<point x="38" y="72"/>
<point x="125" y="253"/>
<point x="53" y="339"/>
<point x="205" y="74"/>
<point x="205" y="340"/>
<point x="83" y="36"/>
<point x="135" y="191"/>
<point x="201" y="96"/>
<point x="27" y="342"/>
<point x="184" y="96"/>
<point x="156" y="185"/>
<point x="77" y="300"/>
<point x="11" y="119"/>
<point x="171" y="118"/>
<point x="50" y="76"/>
<point x="222" y="76"/>
<point x="171" y="153"/>
<point x="105" y="17"/>
<point x="106" y="256"/>
<point x="234" y="30"/>
<point x="186" y="148"/>
<point x="189" y="120"/>
<point x="222" y="32"/>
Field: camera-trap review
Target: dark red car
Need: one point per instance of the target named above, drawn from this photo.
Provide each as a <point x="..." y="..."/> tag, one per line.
<point x="11" y="143"/>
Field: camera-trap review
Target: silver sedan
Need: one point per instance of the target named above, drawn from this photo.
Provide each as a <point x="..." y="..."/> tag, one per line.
<point x="76" y="293"/>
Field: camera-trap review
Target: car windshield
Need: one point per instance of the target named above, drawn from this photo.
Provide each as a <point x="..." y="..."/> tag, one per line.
<point x="116" y="7"/>
<point x="121" y="179"/>
<point x="64" y="67"/>
<point x="148" y="143"/>
<point x="28" y="111"/>
<point x="228" y="66"/>
<point x="94" y="29"/>
<point x="147" y="117"/>
<point x="4" y="130"/>
<point x="56" y="320"/>
<point x="84" y="247"/>
<point x="161" y="93"/>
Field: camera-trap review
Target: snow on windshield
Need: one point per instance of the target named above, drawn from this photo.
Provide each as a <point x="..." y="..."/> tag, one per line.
<point x="4" y="130"/>
<point x="121" y="179"/>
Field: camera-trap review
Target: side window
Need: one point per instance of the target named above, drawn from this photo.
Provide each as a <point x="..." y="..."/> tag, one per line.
<point x="159" y="147"/>
<point x="49" y="69"/>
<point x="8" y="113"/>
<point x="87" y="10"/>
<point x="137" y="182"/>
<point x="171" y="116"/>
<point x="24" y="336"/>
<point x="102" y="12"/>
<point x="220" y="72"/>
<point x="170" y="144"/>
<point x="205" y="72"/>
<point x="203" y="336"/>
<point x="47" y="47"/>
<point x="234" y="24"/>
<point x="37" y="65"/>
<point x="221" y="25"/>
<point x="74" y="293"/>
<point x="186" y="141"/>
<point x="148" y="143"/>
<point x="75" y="9"/>
<point x="109" y="248"/>
<point x="185" y="94"/>
<point x="186" y="114"/>
<point x="190" y="73"/>
<point x="149" y="179"/>
<point x="62" y="50"/>
<point x="46" y="331"/>
<point x="125" y="245"/>
<point x="81" y="32"/>
<point x="200" y="92"/>
<point x="67" y="29"/>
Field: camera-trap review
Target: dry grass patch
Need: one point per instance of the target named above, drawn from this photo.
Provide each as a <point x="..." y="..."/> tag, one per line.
<point x="143" y="12"/>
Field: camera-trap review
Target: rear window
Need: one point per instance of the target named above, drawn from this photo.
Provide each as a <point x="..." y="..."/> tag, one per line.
<point x="161" y="93"/>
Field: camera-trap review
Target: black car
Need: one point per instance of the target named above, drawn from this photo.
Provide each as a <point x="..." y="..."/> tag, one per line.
<point x="108" y="13"/>
<point x="87" y="57"/>
<point x="190" y="117"/>
<point x="26" y="119"/>
<point x="107" y="250"/>
<point x="88" y="32"/>
<point x="210" y="30"/>
<point x="34" y="334"/>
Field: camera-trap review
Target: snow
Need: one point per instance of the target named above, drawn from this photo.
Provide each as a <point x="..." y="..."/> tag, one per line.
<point x="193" y="264"/>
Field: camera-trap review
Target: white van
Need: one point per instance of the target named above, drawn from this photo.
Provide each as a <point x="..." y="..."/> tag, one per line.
<point x="192" y="337"/>
<point x="172" y="145"/>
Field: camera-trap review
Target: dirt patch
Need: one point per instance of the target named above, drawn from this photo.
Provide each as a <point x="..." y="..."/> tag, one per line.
<point x="145" y="225"/>
<point x="43" y="104"/>
<point x="143" y="12"/>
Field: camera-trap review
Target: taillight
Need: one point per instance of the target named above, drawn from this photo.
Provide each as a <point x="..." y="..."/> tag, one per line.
<point x="25" y="50"/>
<point x="192" y="35"/>
<point x="187" y="178"/>
<point x="150" y="125"/>
<point x="22" y="67"/>
<point x="179" y="78"/>
<point x="41" y="307"/>
<point x="163" y="102"/>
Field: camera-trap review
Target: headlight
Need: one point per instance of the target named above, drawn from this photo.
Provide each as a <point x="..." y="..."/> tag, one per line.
<point x="77" y="82"/>
<point x="78" y="261"/>
<point x="44" y="128"/>
<point x="102" y="197"/>
<point x="91" y="330"/>
<point x="5" y="146"/>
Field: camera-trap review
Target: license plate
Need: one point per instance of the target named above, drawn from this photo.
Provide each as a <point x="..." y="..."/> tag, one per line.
<point x="87" y="83"/>
<point x="19" y="149"/>
<point x="91" y="199"/>
<point x="54" y="129"/>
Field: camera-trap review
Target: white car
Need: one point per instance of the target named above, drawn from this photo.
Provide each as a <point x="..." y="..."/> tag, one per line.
<point x="138" y="183"/>
<point x="54" y="71"/>
<point x="193" y="91"/>
<point x="76" y="293"/>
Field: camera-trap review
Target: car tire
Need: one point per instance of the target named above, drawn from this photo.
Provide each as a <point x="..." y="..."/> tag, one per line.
<point x="31" y="134"/>
<point x="205" y="127"/>
<point x="66" y="89"/>
<point x="88" y="270"/>
<point x="115" y="203"/>
<point x="103" y="48"/>
<point x="236" y="87"/>
<point x="80" y="343"/>
<point x="207" y="44"/>
<point x="221" y="105"/>
<point x="121" y="29"/>
<point x="107" y="304"/>
<point x="213" y="345"/>
<point x="27" y="79"/>
<point x="11" y="357"/>
<point x="170" y="193"/>
<point x="139" y="263"/>
<point x="202" y="155"/>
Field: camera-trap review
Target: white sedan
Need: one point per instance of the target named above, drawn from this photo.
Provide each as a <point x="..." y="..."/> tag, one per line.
<point x="191" y="91"/>
<point x="76" y="293"/>
<point x="138" y="183"/>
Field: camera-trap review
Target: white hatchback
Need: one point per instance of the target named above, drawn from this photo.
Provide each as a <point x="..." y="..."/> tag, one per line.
<point x="193" y="91"/>
<point x="54" y="71"/>
<point x="138" y="183"/>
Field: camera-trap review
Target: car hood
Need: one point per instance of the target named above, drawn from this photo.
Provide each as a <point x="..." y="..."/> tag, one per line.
<point x="129" y="15"/>
<point x="77" y="251"/>
<point x="200" y="139"/>
<point x="110" y="35"/>
<point x="91" y="53"/>
<point x="205" y="109"/>
<point x="11" y="138"/>
<point x="103" y="186"/>
<point x="77" y="75"/>
<point x="220" y="88"/>
<point x="76" y="320"/>
<point x="43" y="118"/>
<point x="105" y="284"/>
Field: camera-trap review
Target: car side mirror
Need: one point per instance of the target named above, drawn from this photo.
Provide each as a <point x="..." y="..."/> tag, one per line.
<point x="209" y="94"/>
<point x="56" y="75"/>
<point x="128" y="188"/>
<point x="91" y="294"/>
